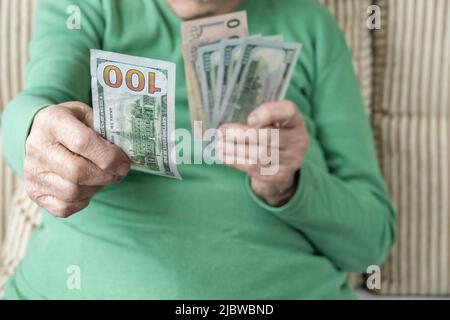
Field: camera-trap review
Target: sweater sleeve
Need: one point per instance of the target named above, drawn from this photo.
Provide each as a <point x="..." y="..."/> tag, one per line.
<point x="344" y="208"/>
<point x="58" y="70"/>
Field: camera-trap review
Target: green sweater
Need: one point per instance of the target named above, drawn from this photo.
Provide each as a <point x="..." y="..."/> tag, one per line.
<point x="207" y="236"/>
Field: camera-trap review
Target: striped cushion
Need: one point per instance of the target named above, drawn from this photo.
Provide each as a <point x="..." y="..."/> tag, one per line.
<point x="17" y="213"/>
<point x="26" y="219"/>
<point x="411" y="120"/>
<point x="16" y="21"/>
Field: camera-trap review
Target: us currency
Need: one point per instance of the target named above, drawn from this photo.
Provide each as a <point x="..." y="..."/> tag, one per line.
<point x="215" y="63"/>
<point x="231" y="53"/>
<point x="209" y="63"/>
<point x="196" y="33"/>
<point x="262" y="74"/>
<point x="133" y="104"/>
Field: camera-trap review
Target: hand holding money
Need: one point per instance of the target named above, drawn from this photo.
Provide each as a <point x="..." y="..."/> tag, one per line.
<point x="291" y="144"/>
<point x="238" y="84"/>
<point x="66" y="161"/>
<point x="134" y="108"/>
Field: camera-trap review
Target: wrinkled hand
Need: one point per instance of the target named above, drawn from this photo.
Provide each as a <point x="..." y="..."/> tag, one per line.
<point x="66" y="161"/>
<point x="279" y="186"/>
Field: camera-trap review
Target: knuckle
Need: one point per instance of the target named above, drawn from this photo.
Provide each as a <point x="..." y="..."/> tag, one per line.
<point x="254" y="171"/>
<point x="84" y="108"/>
<point x="296" y="163"/>
<point x="268" y="178"/>
<point x="79" y="109"/>
<point x="66" y="209"/>
<point x="81" y="141"/>
<point x="44" y="179"/>
<point x="291" y="105"/>
<point x="28" y="168"/>
<point x="290" y="159"/>
<point x="267" y="111"/>
<point x="35" y="143"/>
<point x="31" y="173"/>
<point x="32" y="192"/>
<point x="291" y="109"/>
<point x="303" y="141"/>
<point x="107" y="160"/>
<point x="75" y="170"/>
<point x="264" y="113"/>
<point x="63" y="210"/>
<point x="73" y="192"/>
<point x="83" y="205"/>
<point x="30" y="143"/>
<point x="269" y="116"/>
<point x="57" y="114"/>
<point x="42" y="115"/>
<point x="286" y="172"/>
<point x="76" y="104"/>
<point x="110" y="158"/>
<point x="259" y="188"/>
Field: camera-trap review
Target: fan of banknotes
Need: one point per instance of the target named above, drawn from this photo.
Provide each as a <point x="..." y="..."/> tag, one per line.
<point x="230" y="74"/>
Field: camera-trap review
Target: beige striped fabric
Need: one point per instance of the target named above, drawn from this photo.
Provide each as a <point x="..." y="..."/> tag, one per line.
<point x="16" y="21"/>
<point x="411" y="119"/>
<point x="18" y="215"/>
<point x="26" y="219"/>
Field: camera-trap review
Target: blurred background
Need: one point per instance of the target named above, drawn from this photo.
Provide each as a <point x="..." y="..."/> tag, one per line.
<point x="401" y="53"/>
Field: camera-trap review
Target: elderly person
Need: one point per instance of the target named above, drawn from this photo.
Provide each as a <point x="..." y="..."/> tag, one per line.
<point x="225" y="231"/>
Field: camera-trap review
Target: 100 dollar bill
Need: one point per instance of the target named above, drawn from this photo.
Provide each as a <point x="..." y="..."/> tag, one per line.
<point x="133" y="100"/>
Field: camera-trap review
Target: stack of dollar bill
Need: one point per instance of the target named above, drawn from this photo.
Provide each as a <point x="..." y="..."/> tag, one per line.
<point x="230" y="74"/>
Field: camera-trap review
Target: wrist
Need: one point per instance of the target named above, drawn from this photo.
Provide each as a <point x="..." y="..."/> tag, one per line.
<point x="276" y="194"/>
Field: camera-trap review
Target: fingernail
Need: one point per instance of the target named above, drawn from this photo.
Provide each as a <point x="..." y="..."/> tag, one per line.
<point x="123" y="169"/>
<point x="252" y="119"/>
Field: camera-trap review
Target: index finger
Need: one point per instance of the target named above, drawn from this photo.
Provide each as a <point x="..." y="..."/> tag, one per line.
<point x="278" y="114"/>
<point x="84" y="141"/>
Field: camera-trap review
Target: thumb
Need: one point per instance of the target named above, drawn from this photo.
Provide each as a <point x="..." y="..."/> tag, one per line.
<point x="81" y="111"/>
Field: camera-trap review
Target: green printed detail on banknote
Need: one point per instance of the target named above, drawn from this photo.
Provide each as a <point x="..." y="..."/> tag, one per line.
<point x="209" y="62"/>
